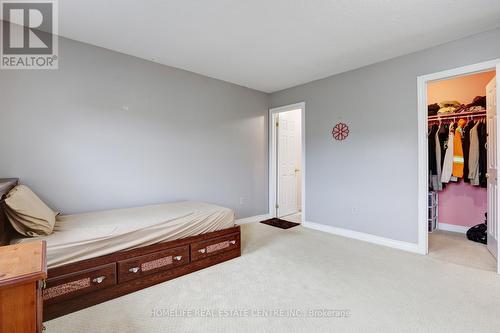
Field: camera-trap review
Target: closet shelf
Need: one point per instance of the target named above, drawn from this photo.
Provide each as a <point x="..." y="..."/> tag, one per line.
<point x="457" y="115"/>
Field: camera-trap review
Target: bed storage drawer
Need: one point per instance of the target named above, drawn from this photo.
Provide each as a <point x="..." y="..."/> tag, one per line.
<point x="76" y="284"/>
<point x="210" y="247"/>
<point x="151" y="263"/>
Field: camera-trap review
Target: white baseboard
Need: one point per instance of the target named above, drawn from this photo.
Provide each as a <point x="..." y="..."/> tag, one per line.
<point x="252" y="219"/>
<point x="405" y="246"/>
<point x="452" y="228"/>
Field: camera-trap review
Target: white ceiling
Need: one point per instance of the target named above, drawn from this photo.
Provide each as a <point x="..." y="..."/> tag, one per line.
<point x="270" y="45"/>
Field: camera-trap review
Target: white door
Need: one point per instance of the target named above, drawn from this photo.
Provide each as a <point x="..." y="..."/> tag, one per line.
<point x="491" y="122"/>
<point x="288" y="139"/>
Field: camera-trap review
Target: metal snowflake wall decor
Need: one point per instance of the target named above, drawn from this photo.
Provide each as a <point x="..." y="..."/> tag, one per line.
<point x="340" y="131"/>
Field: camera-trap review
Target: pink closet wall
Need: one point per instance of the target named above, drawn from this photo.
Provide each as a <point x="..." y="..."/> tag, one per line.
<point x="461" y="203"/>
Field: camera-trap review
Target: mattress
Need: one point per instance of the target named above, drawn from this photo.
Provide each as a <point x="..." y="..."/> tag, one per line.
<point x="84" y="236"/>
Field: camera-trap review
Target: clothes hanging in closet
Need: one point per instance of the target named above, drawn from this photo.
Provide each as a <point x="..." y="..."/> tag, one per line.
<point x="457" y="152"/>
<point x="434" y="151"/>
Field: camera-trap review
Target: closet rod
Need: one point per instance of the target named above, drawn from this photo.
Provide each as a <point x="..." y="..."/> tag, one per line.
<point x="457" y="115"/>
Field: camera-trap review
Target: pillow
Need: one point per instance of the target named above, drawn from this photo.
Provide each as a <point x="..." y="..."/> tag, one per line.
<point x="29" y="215"/>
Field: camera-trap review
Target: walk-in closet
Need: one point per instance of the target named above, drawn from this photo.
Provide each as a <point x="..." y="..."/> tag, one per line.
<point x="461" y="129"/>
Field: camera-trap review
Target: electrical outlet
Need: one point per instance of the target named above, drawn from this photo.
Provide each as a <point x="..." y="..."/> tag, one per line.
<point x="242" y="201"/>
<point x="354" y="210"/>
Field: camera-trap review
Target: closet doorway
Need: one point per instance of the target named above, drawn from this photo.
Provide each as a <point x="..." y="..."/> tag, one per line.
<point x="458" y="145"/>
<point x="287" y="162"/>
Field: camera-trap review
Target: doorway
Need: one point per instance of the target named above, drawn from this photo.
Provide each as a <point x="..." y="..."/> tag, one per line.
<point x="287" y="162"/>
<point x="458" y="194"/>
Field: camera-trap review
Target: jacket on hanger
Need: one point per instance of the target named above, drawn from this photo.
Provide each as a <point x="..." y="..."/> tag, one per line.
<point x="431" y="140"/>
<point x="458" y="154"/>
<point x="474" y="155"/>
<point x="466" y="148"/>
<point x="448" y="158"/>
<point x="437" y="148"/>
<point x="443" y="135"/>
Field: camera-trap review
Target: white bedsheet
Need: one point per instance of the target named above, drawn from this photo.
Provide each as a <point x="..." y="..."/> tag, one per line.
<point x="89" y="235"/>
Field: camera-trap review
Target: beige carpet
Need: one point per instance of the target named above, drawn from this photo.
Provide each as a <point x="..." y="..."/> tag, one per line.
<point x="455" y="248"/>
<point x="384" y="290"/>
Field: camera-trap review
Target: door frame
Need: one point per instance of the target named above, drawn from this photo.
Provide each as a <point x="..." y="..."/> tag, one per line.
<point x="273" y="156"/>
<point x="422" y="81"/>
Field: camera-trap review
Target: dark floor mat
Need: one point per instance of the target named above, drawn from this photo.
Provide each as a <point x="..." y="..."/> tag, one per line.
<point x="279" y="223"/>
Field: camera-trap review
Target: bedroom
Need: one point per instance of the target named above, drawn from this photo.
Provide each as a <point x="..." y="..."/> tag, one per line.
<point x="171" y="103"/>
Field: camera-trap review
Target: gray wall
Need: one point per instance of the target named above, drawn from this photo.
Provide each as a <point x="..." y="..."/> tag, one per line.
<point x="108" y="130"/>
<point x="375" y="170"/>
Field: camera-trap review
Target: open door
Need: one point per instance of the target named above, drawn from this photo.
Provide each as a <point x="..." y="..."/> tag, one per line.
<point x="491" y="122"/>
<point x="288" y="161"/>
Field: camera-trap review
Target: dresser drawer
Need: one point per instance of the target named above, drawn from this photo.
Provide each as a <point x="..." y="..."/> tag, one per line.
<point x="76" y="284"/>
<point x="210" y="247"/>
<point x="151" y="263"/>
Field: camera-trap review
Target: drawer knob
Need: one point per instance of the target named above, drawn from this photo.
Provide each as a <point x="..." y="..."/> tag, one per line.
<point x="232" y="242"/>
<point x="134" y="269"/>
<point x="178" y="258"/>
<point x="202" y="250"/>
<point x="99" y="279"/>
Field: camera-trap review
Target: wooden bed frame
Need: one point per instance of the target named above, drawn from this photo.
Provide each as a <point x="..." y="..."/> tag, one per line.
<point x="81" y="284"/>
